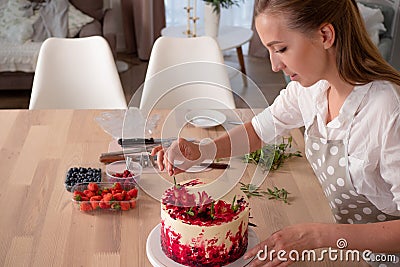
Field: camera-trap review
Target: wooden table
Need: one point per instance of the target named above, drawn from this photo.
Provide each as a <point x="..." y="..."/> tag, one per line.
<point x="40" y="226"/>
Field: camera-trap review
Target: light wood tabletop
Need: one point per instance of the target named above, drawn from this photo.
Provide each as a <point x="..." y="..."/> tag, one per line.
<point x="39" y="226"/>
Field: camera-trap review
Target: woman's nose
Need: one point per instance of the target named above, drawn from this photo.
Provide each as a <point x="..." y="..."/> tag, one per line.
<point x="276" y="63"/>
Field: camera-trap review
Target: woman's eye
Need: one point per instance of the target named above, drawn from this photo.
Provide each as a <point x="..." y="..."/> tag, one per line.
<point x="281" y="50"/>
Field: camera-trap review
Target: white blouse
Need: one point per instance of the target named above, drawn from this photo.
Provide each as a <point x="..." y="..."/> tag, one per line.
<point x="374" y="139"/>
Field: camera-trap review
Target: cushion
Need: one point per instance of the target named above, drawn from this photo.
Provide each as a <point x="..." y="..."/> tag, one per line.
<point x="15" y="27"/>
<point x="373" y="19"/>
<point x="76" y="20"/>
<point x="52" y="22"/>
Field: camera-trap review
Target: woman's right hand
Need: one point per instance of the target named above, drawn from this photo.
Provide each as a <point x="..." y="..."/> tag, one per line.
<point x="180" y="151"/>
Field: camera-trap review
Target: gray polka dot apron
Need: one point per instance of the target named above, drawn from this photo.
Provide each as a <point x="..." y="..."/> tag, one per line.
<point x="328" y="158"/>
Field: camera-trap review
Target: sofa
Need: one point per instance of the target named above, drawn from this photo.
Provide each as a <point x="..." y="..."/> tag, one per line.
<point x="103" y="24"/>
<point x="385" y="42"/>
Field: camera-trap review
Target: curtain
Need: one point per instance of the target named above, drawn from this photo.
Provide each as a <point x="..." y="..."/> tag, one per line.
<point x="143" y="21"/>
<point x="241" y="15"/>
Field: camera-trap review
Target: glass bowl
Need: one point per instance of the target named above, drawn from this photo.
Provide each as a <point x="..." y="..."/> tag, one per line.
<point x="118" y="171"/>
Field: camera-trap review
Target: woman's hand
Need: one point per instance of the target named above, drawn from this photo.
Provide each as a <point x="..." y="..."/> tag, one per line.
<point x="297" y="237"/>
<point x="180" y="151"/>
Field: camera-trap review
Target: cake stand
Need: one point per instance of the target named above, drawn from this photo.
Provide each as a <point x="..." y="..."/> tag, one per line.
<point x="158" y="259"/>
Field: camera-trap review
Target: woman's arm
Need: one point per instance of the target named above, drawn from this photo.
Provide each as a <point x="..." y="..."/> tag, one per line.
<point x="377" y="237"/>
<point x="238" y="141"/>
<point x="381" y="237"/>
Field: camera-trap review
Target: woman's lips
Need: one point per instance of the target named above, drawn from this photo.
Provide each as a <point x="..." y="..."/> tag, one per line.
<point x="292" y="77"/>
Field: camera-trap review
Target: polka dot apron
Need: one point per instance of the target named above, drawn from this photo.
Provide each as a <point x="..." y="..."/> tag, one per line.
<point x="328" y="158"/>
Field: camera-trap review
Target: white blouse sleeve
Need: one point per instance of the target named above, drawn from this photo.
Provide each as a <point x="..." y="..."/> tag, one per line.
<point x="284" y="114"/>
<point x="390" y="157"/>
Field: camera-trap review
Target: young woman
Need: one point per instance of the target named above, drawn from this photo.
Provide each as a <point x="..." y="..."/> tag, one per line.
<point x="348" y="99"/>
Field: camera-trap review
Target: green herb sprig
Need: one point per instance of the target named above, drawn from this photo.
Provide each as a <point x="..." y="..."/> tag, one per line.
<point x="176" y="184"/>
<point x="275" y="193"/>
<point x="190" y="212"/>
<point x="212" y="211"/>
<point x="234" y="207"/>
<point x="271" y="157"/>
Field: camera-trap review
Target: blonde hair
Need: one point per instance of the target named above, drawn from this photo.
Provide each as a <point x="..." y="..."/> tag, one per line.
<point x="358" y="60"/>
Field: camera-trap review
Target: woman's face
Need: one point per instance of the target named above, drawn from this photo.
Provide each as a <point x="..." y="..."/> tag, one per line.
<point x="302" y="57"/>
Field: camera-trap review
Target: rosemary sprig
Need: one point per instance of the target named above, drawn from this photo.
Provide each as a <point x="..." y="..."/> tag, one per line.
<point x="278" y="194"/>
<point x="252" y="190"/>
<point x="271" y="157"/>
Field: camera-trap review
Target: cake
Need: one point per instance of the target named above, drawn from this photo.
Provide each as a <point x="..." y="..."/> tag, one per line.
<point x="198" y="231"/>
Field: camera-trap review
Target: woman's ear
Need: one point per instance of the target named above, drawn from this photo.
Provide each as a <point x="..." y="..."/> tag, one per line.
<point x="327" y="32"/>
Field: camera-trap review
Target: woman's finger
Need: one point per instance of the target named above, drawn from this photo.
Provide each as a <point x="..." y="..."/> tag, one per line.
<point x="254" y="251"/>
<point x="155" y="150"/>
<point x="160" y="158"/>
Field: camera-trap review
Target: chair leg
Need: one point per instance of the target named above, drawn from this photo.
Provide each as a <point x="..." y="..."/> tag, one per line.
<point x="239" y="52"/>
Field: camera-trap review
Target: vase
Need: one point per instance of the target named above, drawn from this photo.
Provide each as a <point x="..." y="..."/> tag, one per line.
<point x="211" y="21"/>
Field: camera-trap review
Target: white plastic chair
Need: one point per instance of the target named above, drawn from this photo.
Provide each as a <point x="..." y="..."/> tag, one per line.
<point x="187" y="73"/>
<point x="76" y="73"/>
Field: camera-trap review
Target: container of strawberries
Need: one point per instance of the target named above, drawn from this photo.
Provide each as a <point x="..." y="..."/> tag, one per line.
<point x="88" y="197"/>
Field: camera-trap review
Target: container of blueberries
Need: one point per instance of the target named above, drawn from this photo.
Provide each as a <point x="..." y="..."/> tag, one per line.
<point x="77" y="175"/>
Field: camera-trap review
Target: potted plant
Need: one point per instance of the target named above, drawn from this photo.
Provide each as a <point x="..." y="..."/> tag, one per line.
<point x="217" y="4"/>
<point x="212" y="13"/>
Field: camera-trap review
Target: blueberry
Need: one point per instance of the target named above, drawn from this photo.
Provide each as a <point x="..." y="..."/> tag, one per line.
<point x="81" y="175"/>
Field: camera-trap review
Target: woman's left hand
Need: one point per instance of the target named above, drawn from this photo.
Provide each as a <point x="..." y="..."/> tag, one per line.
<point x="298" y="238"/>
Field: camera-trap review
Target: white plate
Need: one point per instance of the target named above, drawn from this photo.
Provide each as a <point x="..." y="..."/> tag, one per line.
<point x="158" y="259"/>
<point x="205" y="118"/>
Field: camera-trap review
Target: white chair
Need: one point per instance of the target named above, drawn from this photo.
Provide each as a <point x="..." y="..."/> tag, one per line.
<point x="78" y="73"/>
<point x="186" y="73"/>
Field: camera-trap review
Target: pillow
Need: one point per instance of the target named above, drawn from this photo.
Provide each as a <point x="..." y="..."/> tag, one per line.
<point x="52" y="22"/>
<point x="76" y="20"/>
<point x="15" y="26"/>
<point x="373" y="19"/>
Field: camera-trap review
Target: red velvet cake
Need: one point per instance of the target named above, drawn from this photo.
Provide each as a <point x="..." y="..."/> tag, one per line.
<point x="198" y="231"/>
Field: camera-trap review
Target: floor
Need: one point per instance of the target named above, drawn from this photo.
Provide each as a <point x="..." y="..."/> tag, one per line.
<point x="261" y="83"/>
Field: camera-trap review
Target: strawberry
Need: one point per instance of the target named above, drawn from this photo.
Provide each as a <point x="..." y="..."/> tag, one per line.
<point x="108" y="197"/>
<point x="103" y="205"/>
<point x="85" y="206"/>
<point x="88" y="193"/>
<point x="127" y="197"/>
<point x="79" y="193"/>
<point x="133" y="203"/>
<point x="93" y="187"/>
<point x="105" y="191"/>
<point x="117" y="186"/>
<point x="95" y="198"/>
<point x="126" y="174"/>
<point x="94" y="201"/>
<point x="118" y="197"/>
<point x="133" y="192"/>
<point x="125" y="205"/>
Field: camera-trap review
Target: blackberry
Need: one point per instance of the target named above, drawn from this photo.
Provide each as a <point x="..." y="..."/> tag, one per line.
<point x="77" y="175"/>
